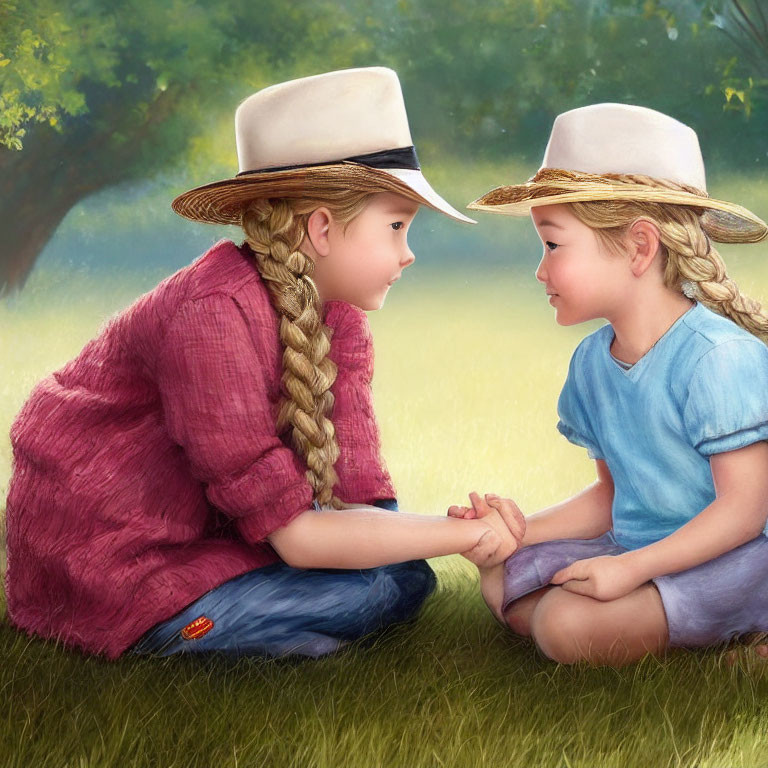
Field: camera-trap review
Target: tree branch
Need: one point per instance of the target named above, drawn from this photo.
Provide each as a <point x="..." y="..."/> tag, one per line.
<point x="755" y="32"/>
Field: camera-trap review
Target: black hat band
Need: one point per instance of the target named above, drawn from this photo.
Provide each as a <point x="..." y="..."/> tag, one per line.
<point x="404" y="157"/>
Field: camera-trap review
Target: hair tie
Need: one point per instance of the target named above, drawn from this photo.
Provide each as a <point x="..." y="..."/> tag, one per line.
<point x="690" y="289"/>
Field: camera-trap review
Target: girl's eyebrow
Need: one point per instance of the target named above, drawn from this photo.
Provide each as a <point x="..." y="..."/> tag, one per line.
<point x="547" y="223"/>
<point x="400" y="211"/>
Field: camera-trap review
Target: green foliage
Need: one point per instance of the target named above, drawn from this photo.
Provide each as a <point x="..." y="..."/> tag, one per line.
<point x="742" y="77"/>
<point x="745" y="75"/>
<point x="487" y="78"/>
<point x="123" y="66"/>
<point x="44" y="55"/>
<point x="97" y="92"/>
<point x="490" y="75"/>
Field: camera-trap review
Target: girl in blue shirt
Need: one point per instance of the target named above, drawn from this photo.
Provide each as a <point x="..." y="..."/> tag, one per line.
<point x="668" y="547"/>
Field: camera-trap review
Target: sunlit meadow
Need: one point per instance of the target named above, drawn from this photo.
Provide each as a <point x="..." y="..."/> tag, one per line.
<point x="469" y="363"/>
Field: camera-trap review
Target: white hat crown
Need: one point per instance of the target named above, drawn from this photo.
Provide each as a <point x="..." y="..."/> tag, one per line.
<point x="350" y="112"/>
<point x="625" y="139"/>
<point x="348" y="126"/>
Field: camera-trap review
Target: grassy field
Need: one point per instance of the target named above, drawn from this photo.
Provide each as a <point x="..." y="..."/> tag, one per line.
<point x="468" y="370"/>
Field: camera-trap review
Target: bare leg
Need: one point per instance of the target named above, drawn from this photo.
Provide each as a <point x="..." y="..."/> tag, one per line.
<point x="518" y="614"/>
<point x="492" y="589"/>
<point x="570" y="628"/>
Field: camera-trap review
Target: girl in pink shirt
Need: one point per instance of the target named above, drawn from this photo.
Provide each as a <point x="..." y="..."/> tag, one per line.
<point x="205" y="475"/>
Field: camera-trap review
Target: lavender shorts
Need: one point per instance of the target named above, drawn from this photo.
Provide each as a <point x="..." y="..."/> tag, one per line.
<point x="706" y="605"/>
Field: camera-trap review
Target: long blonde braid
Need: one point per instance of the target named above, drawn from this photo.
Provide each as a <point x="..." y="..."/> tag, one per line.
<point x="689" y="255"/>
<point x="275" y="229"/>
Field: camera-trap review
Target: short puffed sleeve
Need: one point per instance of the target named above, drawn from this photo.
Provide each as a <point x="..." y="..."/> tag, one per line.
<point x="727" y="402"/>
<point x="574" y="421"/>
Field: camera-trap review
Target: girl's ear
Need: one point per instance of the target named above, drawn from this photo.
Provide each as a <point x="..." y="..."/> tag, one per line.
<point x="643" y="241"/>
<point x="318" y="227"/>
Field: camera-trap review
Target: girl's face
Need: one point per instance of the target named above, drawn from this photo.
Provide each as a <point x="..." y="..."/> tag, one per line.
<point x="360" y="264"/>
<point x="583" y="281"/>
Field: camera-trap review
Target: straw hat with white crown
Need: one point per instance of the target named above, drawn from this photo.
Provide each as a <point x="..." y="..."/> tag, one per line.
<point x="624" y="152"/>
<point x="348" y="127"/>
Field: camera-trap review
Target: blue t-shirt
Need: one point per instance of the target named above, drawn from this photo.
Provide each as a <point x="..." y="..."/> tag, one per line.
<point x="701" y="389"/>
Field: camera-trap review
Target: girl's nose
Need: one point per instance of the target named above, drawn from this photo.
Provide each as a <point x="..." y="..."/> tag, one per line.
<point x="541" y="272"/>
<point x="408" y="259"/>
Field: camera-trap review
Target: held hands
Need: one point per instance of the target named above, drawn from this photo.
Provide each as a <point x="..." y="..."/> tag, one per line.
<point x="506" y="528"/>
<point x="608" y="577"/>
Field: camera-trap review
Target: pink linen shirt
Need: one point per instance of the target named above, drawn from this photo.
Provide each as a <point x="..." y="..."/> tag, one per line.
<point x="148" y="470"/>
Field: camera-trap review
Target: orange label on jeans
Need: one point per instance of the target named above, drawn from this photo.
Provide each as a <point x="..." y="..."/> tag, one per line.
<point x="197" y="628"/>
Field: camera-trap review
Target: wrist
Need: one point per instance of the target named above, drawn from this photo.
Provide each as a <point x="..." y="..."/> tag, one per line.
<point x="479" y="528"/>
<point x="468" y="533"/>
<point x="534" y="533"/>
<point x="639" y="564"/>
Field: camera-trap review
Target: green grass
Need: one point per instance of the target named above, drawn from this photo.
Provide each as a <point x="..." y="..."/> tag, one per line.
<point x="451" y="691"/>
<point x="468" y="369"/>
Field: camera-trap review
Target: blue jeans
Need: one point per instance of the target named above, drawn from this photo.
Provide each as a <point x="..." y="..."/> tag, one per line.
<point x="281" y="611"/>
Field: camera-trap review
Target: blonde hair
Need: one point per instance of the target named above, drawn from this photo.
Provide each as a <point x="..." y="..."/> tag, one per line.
<point x="274" y="229"/>
<point x="688" y="254"/>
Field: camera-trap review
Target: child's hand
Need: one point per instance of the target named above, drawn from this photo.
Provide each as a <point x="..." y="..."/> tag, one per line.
<point x="494" y="546"/>
<point x="467" y="513"/>
<point x="509" y="512"/>
<point x="506" y="529"/>
<point x="604" y="578"/>
<point x="507" y="508"/>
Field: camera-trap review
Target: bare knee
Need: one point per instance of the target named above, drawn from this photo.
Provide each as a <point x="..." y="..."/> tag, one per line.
<point x="518" y="614"/>
<point x="560" y="627"/>
<point x="569" y="628"/>
<point x="518" y="620"/>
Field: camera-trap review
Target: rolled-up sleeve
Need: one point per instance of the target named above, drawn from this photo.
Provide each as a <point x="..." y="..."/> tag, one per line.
<point x="213" y="385"/>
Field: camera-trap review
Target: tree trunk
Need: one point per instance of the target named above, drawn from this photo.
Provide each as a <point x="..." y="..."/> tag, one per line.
<point x="32" y="205"/>
<point x="55" y="171"/>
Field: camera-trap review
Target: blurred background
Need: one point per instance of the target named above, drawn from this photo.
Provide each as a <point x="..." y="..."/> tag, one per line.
<point x="110" y="109"/>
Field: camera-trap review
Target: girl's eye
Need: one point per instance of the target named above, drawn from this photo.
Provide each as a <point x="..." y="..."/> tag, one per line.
<point x="396" y="225"/>
<point x="550" y="245"/>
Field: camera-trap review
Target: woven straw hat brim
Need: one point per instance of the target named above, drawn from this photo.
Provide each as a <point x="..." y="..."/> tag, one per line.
<point x="724" y="222"/>
<point x="222" y="202"/>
